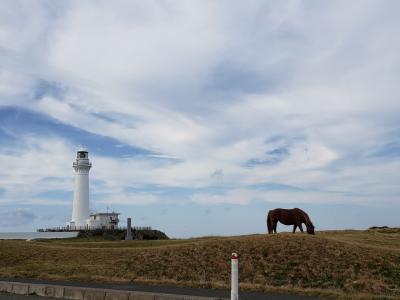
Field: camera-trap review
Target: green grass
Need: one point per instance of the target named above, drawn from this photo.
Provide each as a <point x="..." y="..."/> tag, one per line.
<point x="338" y="264"/>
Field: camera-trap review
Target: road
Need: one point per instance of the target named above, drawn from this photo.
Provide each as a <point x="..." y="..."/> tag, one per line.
<point x="220" y="293"/>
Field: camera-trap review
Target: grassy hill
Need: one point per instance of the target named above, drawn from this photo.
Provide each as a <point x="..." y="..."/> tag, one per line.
<point x="339" y="264"/>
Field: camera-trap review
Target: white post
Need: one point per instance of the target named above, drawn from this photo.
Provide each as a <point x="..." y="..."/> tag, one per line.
<point x="128" y="236"/>
<point x="235" y="277"/>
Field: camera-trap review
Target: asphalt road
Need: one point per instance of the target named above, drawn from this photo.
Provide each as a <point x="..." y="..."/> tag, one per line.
<point x="220" y="293"/>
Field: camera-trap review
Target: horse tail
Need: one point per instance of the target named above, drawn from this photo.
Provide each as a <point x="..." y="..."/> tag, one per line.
<point x="269" y="222"/>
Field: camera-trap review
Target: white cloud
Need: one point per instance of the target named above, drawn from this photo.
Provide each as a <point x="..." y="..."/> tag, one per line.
<point x="129" y="199"/>
<point x="285" y="197"/>
<point x="325" y="78"/>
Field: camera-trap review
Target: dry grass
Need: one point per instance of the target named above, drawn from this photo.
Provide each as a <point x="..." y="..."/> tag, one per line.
<point x="381" y="238"/>
<point x="338" y="264"/>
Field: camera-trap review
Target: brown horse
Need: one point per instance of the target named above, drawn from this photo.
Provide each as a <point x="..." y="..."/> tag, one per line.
<point x="293" y="217"/>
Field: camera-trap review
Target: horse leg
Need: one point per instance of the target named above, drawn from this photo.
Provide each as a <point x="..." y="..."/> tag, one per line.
<point x="301" y="227"/>
<point x="275" y="224"/>
<point x="294" y="228"/>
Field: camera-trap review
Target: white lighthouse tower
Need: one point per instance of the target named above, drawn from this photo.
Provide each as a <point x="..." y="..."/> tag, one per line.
<point x="80" y="205"/>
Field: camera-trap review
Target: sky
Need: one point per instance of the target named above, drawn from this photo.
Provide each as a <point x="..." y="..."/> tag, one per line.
<point x="200" y="116"/>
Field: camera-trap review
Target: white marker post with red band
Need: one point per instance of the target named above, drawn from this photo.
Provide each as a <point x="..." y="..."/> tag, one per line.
<point x="235" y="277"/>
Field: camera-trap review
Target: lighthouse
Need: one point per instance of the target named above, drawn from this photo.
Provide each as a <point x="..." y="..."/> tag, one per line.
<point x="80" y="205"/>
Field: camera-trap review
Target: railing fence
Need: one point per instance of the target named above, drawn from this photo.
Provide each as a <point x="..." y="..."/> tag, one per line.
<point x="87" y="228"/>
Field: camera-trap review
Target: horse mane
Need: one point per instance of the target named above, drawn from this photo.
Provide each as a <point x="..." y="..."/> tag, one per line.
<point x="306" y="217"/>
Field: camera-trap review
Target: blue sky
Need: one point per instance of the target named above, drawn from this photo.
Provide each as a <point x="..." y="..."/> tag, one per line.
<point x="200" y="116"/>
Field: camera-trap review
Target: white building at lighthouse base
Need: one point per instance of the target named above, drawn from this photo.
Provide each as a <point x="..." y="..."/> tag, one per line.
<point x="98" y="221"/>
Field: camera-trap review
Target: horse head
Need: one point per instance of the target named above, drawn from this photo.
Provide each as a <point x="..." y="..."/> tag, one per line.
<point x="310" y="228"/>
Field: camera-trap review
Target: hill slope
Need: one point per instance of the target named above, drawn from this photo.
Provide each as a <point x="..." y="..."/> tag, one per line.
<point x="359" y="263"/>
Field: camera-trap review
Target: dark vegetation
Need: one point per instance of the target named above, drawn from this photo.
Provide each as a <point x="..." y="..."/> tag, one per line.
<point x="119" y="234"/>
<point x="379" y="227"/>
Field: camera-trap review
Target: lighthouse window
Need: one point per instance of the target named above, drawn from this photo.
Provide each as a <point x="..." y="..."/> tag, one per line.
<point x="82" y="154"/>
